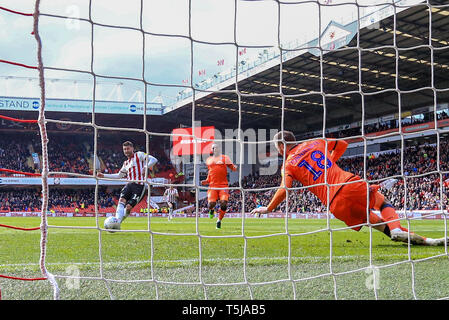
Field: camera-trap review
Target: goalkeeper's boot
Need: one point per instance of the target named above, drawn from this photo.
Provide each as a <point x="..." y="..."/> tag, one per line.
<point x="402" y="235"/>
<point x="211" y="214"/>
<point x="218" y="224"/>
<point x="437" y="242"/>
<point x="388" y="184"/>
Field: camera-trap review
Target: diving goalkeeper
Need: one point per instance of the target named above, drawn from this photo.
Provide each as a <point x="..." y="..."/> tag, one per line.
<point x="306" y="162"/>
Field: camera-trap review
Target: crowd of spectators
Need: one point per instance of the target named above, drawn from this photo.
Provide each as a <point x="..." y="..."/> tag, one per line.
<point x="66" y="154"/>
<point x="20" y="200"/>
<point x="72" y="157"/>
<point x="14" y="155"/>
<point x="416" y="168"/>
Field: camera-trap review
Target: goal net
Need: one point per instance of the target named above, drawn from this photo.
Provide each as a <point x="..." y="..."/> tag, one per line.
<point x="233" y="73"/>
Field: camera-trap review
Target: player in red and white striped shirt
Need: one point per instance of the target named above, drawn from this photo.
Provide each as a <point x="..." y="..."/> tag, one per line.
<point x="134" y="168"/>
<point x="171" y="196"/>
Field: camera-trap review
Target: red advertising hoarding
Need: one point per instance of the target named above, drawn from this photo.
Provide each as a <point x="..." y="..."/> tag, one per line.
<point x="184" y="140"/>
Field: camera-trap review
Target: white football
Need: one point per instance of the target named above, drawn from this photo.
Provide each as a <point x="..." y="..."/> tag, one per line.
<point x="112" y="223"/>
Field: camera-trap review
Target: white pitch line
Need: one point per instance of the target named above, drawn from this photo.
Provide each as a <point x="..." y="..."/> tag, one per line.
<point x="306" y="258"/>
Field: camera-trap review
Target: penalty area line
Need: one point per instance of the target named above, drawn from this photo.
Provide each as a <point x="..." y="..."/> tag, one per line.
<point x="187" y="261"/>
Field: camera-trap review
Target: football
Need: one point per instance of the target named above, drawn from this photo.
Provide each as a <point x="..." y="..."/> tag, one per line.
<point x="112" y="223"/>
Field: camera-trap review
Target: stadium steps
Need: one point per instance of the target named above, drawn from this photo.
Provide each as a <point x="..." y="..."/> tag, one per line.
<point x="87" y="146"/>
<point x="30" y="148"/>
<point x="90" y="161"/>
<point x="30" y="161"/>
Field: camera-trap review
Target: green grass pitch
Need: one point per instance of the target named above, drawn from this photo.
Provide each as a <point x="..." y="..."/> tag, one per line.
<point x="285" y="259"/>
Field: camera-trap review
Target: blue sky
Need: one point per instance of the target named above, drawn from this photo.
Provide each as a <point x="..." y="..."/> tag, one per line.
<point x="118" y="52"/>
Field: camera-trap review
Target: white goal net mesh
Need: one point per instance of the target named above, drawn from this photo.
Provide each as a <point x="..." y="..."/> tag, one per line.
<point x="365" y="55"/>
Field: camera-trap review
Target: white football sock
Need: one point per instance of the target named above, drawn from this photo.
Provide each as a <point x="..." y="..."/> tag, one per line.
<point x="120" y="212"/>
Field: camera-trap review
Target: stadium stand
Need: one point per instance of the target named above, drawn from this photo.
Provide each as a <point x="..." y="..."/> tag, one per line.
<point x="423" y="191"/>
<point x="72" y="155"/>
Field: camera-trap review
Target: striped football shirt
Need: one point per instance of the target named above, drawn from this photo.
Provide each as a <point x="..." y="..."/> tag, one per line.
<point x="134" y="168"/>
<point x="171" y="195"/>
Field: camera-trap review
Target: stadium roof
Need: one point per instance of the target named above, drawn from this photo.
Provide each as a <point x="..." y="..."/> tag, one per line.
<point x="385" y="68"/>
